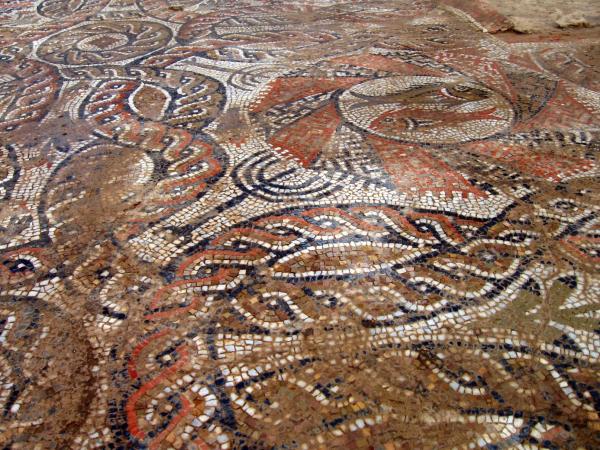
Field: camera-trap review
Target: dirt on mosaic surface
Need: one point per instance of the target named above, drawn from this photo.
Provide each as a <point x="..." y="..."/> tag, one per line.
<point x="542" y="16"/>
<point x="267" y="224"/>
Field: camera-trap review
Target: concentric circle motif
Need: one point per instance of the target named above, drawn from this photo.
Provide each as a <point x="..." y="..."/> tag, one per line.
<point x="61" y="9"/>
<point x="106" y="42"/>
<point x="431" y="110"/>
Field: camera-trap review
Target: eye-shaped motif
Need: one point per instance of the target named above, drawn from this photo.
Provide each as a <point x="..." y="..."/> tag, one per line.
<point x="461" y="88"/>
<point x="465" y="93"/>
<point x="19" y="265"/>
<point x="565" y="206"/>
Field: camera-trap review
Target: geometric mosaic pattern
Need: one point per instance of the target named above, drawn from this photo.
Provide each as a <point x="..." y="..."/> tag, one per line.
<point x="266" y="224"/>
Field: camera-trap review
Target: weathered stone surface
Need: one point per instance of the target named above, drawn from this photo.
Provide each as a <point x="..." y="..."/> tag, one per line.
<point x="270" y="224"/>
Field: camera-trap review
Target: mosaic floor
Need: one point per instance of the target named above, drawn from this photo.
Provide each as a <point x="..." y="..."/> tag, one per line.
<point x="263" y="224"/>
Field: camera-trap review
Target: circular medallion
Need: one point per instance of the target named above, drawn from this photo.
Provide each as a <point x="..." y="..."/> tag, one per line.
<point x="429" y="110"/>
<point x="61" y="9"/>
<point x="104" y="43"/>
